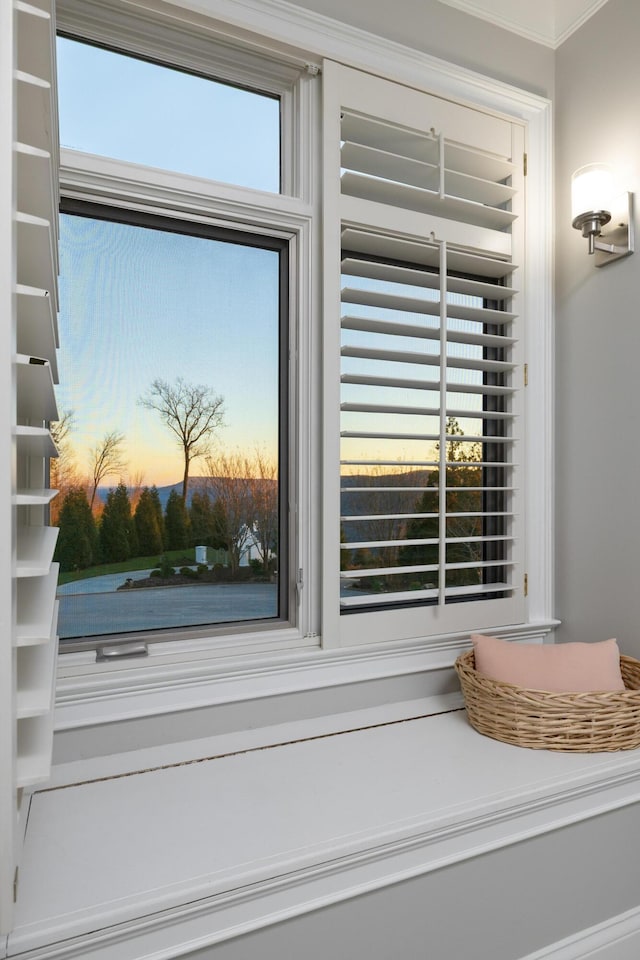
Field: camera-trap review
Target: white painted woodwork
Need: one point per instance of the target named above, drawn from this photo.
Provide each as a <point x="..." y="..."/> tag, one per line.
<point x="548" y="21"/>
<point x="28" y="296"/>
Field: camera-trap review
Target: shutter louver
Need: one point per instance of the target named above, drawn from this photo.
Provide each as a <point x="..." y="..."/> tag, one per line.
<point x="28" y="287"/>
<point x="429" y="353"/>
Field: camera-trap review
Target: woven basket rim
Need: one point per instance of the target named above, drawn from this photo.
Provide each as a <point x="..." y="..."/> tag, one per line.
<point x="466" y="660"/>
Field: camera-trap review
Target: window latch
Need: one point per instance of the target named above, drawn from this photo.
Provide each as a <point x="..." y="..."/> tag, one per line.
<point x="120" y="651"/>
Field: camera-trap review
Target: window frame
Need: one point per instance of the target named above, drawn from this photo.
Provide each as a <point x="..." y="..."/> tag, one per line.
<point x="292" y="660"/>
<point x="204" y="231"/>
<point x="284" y="217"/>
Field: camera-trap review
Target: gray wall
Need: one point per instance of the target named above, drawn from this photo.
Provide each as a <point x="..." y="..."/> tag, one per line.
<point x="455" y="36"/>
<point x="598" y="343"/>
<point x="499" y="906"/>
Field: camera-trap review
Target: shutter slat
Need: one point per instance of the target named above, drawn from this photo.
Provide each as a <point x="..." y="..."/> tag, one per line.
<point x="425" y="201"/>
<point x="408" y="356"/>
<point x="390" y="166"/>
<point x="390" y="301"/>
<point x="433" y="385"/>
<point x="412" y="596"/>
<point x="422" y="411"/>
<point x="396" y="329"/>
<point x="421" y="542"/>
<point x="433" y="437"/>
<point x="423" y="568"/>
<point x="372" y="270"/>
<point x="381" y="163"/>
<point x="424" y="254"/>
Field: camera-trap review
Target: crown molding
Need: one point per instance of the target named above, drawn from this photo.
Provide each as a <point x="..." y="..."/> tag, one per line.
<point x="548" y="22"/>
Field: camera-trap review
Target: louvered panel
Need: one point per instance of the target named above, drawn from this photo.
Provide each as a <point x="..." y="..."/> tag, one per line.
<point x="430" y="353"/>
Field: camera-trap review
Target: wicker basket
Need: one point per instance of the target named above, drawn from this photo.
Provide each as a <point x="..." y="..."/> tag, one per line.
<point x="581" y="722"/>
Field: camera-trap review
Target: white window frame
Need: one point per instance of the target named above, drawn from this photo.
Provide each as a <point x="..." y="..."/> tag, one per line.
<point x="192" y="672"/>
<point x="288" y="215"/>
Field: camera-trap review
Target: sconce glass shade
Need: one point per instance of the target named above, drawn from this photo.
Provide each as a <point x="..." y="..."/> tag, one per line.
<point x="591" y="196"/>
<point x="591" y="189"/>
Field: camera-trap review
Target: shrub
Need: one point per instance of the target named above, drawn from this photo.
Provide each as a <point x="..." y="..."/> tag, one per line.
<point x="166" y="568"/>
<point x="189" y="572"/>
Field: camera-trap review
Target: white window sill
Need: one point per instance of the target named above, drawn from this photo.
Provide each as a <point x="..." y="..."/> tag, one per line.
<point x="112" y="693"/>
<point x="195" y="853"/>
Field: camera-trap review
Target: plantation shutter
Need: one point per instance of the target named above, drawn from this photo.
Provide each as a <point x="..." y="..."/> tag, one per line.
<point x="28" y="290"/>
<point x="423" y="363"/>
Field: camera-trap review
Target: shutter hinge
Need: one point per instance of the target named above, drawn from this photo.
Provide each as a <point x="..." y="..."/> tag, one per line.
<point x="526" y="374"/>
<point x="525" y="163"/>
<point x="15" y="885"/>
<point x="312" y="69"/>
<point x="300" y="582"/>
<point x="526" y="584"/>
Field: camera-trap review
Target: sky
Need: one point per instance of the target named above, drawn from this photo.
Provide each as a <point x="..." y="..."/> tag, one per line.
<point x="138" y="303"/>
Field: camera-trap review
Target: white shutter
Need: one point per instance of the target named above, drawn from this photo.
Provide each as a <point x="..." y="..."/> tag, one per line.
<point x="28" y="290"/>
<point x="423" y="363"/>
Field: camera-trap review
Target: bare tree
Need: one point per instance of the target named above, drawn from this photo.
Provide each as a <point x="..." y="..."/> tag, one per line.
<point x="63" y="471"/>
<point x="192" y="412"/>
<point x="264" y="472"/>
<point x="228" y="482"/>
<point x="106" y="460"/>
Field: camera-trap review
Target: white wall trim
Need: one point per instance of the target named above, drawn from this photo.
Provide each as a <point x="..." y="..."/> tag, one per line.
<point x="549" y="22"/>
<point x="137" y="692"/>
<point x="614" y="939"/>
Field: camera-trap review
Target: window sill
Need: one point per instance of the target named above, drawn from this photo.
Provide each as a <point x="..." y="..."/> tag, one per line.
<point x="105" y="693"/>
<point x="183" y="854"/>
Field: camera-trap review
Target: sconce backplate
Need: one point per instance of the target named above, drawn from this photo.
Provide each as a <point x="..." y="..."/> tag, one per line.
<point x="617" y="238"/>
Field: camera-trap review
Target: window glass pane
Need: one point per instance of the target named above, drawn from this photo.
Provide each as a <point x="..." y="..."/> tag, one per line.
<point x="129" y="109"/>
<point x="169" y="379"/>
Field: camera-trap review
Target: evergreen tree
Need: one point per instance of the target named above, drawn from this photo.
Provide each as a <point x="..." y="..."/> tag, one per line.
<point x="147" y="528"/>
<point x="157" y="506"/>
<point x="176" y="522"/>
<point x="117" y="529"/>
<point x="201" y="520"/>
<point x="77" y="545"/>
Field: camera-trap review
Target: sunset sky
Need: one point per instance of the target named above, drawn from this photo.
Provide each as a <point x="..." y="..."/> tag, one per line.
<point x="139" y="304"/>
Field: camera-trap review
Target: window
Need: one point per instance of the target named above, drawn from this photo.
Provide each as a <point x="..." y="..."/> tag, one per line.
<point x="415" y="507"/>
<point x="160" y="117"/>
<point x="169" y="476"/>
<point x="425" y="480"/>
<point x="175" y="431"/>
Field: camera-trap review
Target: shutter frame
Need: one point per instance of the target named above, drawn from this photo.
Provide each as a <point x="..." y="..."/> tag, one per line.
<point x="398" y="243"/>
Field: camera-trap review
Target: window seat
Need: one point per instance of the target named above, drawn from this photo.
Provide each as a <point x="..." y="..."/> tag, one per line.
<point x="199" y="851"/>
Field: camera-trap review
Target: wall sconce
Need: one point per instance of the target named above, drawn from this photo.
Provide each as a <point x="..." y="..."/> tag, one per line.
<point x="594" y="207"/>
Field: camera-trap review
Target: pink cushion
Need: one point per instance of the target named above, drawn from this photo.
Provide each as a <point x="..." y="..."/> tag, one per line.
<point x="560" y="668"/>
